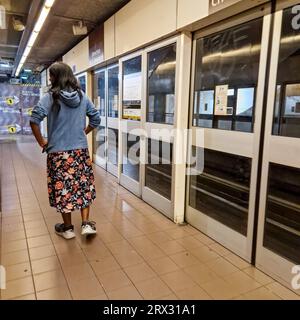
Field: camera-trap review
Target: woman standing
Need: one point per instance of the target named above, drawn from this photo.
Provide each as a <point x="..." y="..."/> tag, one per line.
<point x="71" y="184"/>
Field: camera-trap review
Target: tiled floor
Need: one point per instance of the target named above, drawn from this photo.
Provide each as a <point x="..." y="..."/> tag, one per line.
<point x="137" y="254"/>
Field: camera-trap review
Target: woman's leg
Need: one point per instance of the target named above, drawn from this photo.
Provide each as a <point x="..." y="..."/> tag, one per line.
<point x="67" y="219"/>
<point x="85" y="214"/>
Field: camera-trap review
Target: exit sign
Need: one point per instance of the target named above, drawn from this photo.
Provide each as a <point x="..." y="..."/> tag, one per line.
<point x="217" y="5"/>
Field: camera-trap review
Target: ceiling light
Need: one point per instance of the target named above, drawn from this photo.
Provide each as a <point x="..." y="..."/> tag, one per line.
<point x="79" y="29"/>
<point x="18" y="25"/>
<point x="49" y="3"/>
<point x="37" y="28"/>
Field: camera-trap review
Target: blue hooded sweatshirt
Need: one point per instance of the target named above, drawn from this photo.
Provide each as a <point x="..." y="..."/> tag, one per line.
<point x="67" y="122"/>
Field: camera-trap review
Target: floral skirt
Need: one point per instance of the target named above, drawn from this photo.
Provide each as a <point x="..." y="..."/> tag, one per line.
<point x="71" y="183"/>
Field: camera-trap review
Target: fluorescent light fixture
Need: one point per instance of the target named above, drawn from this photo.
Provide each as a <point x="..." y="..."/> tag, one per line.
<point x="32" y="39"/>
<point x="26" y="52"/>
<point x="49" y="3"/>
<point x="28" y="70"/>
<point x="37" y="28"/>
<point x="39" y="24"/>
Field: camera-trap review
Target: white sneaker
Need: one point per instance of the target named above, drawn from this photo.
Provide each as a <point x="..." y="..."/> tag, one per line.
<point x="67" y="233"/>
<point x="88" y="228"/>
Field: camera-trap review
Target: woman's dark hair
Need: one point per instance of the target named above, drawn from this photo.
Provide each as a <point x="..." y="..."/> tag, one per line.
<point x="62" y="78"/>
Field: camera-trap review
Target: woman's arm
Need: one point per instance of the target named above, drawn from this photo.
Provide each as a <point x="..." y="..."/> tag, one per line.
<point x="37" y="134"/>
<point x="88" y="129"/>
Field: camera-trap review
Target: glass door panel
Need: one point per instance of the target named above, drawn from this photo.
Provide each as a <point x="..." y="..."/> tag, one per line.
<point x="228" y="82"/>
<point x="160" y="112"/>
<point x="278" y="241"/>
<point x="131" y="122"/>
<point x="112" y="119"/>
<point x="99" y="135"/>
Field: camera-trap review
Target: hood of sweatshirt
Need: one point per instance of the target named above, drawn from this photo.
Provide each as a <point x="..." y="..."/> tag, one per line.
<point x="70" y="99"/>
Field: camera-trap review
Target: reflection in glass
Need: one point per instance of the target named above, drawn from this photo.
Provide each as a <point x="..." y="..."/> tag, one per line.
<point x="99" y="90"/>
<point x="112" y="148"/>
<point x="159" y="167"/>
<point x="131" y="156"/>
<point x="282" y="224"/>
<point x="113" y="92"/>
<point x="99" y="142"/>
<point x="287" y="102"/>
<point x="222" y="190"/>
<point x="226" y="75"/>
<point x="82" y="83"/>
<point x="161" y="85"/>
<point x="132" y="88"/>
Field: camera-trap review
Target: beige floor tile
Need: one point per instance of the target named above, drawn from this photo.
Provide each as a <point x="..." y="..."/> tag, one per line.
<point x="39" y="241"/>
<point x="190" y="243"/>
<point x="171" y="247"/>
<point x="177" y="232"/>
<point x="153" y="288"/>
<point x="99" y="297"/>
<point x="120" y="247"/>
<point x="204" y="254"/>
<point x="49" y="280"/>
<point x="14" y="258"/>
<point x="129" y="259"/>
<point x="150" y="253"/>
<point x="18" y="288"/>
<point x="34" y="224"/>
<point x="237" y="261"/>
<point x="219" y="289"/>
<point x="222" y="267"/>
<point x="171" y="296"/>
<point x="283" y="292"/>
<point x="193" y="293"/>
<point x="222" y="251"/>
<point x="45" y="265"/>
<point x="258" y="275"/>
<point x="114" y="280"/>
<point x="260" y="294"/>
<point x="204" y="239"/>
<point x="178" y="280"/>
<point x="27" y="297"/>
<point x="78" y="272"/>
<point x="13" y="246"/>
<point x="33" y="217"/>
<point x="184" y="259"/>
<point x="11" y="236"/>
<point x="18" y="271"/>
<point x="42" y="252"/>
<point x="158" y="237"/>
<point x="67" y="247"/>
<point x="241" y="282"/>
<point x="104" y="265"/>
<point x="71" y="259"/>
<point x="163" y="265"/>
<point x="13" y="227"/>
<point x="126" y="293"/>
<point x="93" y="254"/>
<point x="140" y="272"/>
<point x="200" y="273"/>
<point x="58" y="293"/>
<point x="36" y="232"/>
